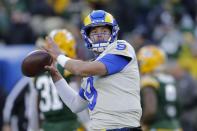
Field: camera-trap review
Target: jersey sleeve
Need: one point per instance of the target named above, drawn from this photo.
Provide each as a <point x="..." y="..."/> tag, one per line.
<point x="148" y="81"/>
<point x="63" y="72"/>
<point x="114" y="63"/>
<point x="122" y="48"/>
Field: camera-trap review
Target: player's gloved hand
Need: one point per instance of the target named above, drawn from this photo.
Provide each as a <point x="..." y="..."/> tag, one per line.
<point x="52" y="48"/>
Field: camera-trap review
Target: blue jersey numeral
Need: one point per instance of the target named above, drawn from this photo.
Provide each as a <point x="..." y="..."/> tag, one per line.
<point x="90" y="93"/>
<point x="121" y="46"/>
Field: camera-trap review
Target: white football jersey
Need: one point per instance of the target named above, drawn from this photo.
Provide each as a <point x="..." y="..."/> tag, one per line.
<point x="114" y="100"/>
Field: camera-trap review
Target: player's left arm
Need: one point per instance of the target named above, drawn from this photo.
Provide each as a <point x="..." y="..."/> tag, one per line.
<point x="68" y="95"/>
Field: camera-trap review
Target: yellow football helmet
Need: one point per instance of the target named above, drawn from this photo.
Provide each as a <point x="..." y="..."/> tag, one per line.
<point x="150" y="58"/>
<point x="65" y="41"/>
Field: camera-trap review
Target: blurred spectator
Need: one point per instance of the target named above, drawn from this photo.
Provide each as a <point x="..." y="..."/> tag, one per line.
<point x="59" y="6"/>
<point x="139" y="37"/>
<point x="19" y="30"/>
<point x="167" y="35"/>
<point x="4" y="21"/>
<point x="99" y="4"/>
<point x="186" y="23"/>
<point x="188" y="55"/>
<point x="190" y="7"/>
<point x="41" y="7"/>
<point x="187" y="94"/>
<point x="42" y="25"/>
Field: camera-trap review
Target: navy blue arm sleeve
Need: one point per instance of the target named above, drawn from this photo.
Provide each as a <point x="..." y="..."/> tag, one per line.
<point x="114" y="63"/>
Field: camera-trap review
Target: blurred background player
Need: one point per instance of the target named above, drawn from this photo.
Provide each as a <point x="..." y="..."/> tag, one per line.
<point x="56" y="115"/>
<point x="19" y="112"/>
<point x="158" y="90"/>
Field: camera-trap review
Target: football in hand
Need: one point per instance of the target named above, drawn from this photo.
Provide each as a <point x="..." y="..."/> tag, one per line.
<point x="34" y="63"/>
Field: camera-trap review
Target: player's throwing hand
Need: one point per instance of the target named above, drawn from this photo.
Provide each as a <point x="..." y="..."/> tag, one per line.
<point x="52" y="48"/>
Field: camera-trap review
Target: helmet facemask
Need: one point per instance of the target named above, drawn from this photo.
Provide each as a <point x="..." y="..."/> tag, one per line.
<point x="99" y="41"/>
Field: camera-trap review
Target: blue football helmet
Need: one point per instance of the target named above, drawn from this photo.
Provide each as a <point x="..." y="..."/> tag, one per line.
<point x="99" y="18"/>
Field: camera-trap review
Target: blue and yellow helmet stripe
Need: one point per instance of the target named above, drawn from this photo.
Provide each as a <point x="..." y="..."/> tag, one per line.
<point x="108" y="18"/>
<point x="87" y="20"/>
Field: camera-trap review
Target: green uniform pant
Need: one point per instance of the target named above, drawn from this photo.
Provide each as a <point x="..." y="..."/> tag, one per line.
<point x="61" y="126"/>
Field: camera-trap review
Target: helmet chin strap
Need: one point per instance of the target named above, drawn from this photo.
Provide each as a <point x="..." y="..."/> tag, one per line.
<point x="99" y="47"/>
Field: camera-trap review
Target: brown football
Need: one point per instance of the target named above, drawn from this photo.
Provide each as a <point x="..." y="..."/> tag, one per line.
<point x="34" y="63"/>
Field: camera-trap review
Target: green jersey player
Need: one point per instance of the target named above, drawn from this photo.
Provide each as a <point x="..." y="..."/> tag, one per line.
<point x="56" y="115"/>
<point x="159" y="96"/>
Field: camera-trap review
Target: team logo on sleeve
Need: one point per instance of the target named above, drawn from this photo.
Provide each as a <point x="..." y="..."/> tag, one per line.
<point x="121" y="46"/>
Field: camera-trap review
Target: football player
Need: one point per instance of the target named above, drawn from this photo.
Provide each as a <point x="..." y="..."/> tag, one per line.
<point x="159" y="94"/>
<point x="111" y="84"/>
<point x="56" y="116"/>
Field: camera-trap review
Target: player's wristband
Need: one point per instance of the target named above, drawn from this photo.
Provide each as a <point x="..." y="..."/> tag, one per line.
<point x="62" y="59"/>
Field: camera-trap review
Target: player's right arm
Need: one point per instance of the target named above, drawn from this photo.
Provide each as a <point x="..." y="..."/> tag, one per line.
<point x="68" y="95"/>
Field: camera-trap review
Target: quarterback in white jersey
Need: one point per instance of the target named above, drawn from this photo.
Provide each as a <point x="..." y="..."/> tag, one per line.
<point x="111" y="84"/>
<point x="113" y="96"/>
